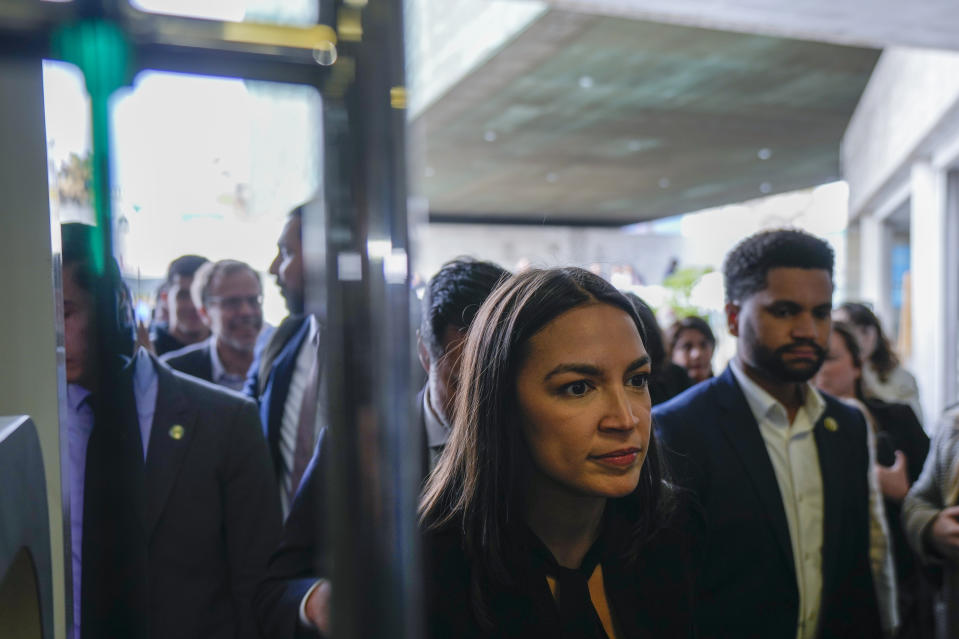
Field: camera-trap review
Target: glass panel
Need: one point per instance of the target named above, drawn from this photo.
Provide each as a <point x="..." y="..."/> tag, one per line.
<point x="287" y="12"/>
<point x="209" y="166"/>
<point x="67" y="113"/>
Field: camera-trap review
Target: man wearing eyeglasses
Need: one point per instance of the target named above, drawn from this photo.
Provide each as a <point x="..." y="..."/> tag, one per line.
<point x="229" y="298"/>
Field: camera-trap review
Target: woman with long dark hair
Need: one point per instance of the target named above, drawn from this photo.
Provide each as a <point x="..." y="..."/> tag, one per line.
<point x="548" y="514"/>
<point x="883" y="376"/>
<point x="901" y="448"/>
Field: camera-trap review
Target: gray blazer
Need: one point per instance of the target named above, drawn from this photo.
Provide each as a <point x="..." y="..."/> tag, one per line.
<point x="928" y="496"/>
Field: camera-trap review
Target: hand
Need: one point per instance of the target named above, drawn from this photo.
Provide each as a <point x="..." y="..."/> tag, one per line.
<point x="318" y="607"/>
<point x="944" y="533"/>
<point x="894" y="481"/>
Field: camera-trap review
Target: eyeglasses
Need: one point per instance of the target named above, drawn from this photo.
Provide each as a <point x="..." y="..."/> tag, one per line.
<point x="237" y="302"/>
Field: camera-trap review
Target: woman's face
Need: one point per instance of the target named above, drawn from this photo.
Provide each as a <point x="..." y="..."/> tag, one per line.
<point x="694" y="353"/>
<point x="584" y="404"/>
<point x="838" y="374"/>
<point x="866" y="335"/>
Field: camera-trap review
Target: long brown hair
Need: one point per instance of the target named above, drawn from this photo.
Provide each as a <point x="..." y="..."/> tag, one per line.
<point x="883" y="359"/>
<point x="476" y="485"/>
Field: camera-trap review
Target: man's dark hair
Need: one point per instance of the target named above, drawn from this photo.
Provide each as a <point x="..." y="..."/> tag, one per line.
<point x="453" y="296"/>
<point x="746" y="266"/>
<point x="184" y="266"/>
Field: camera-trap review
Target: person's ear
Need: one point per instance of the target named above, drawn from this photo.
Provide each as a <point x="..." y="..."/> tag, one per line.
<point x="732" y="318"/>
<point x="423" y="353"/>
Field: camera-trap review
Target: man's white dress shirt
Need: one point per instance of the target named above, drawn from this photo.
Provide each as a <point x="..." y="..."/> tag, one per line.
<point x="795" y="460"/>
<point x="291" y="411"/>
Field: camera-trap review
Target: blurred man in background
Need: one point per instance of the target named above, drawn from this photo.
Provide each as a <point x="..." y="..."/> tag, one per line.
<point x="185" y="326"/>
<point x="229" y="298"/>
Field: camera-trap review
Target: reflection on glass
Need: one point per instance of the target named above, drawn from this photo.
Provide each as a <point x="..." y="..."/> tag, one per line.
<point x="201" y="165"/>
<point x="209" y="166"/>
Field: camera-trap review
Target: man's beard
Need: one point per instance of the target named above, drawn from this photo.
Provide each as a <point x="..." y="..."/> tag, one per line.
<point x="295" y="302"/>
<point x="773" y="363"/>
<point x="241" y="344"/>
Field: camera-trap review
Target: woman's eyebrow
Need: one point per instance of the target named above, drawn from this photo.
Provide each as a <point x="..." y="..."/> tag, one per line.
<point x="591" y="370"/>
<point x="582" y="369"/>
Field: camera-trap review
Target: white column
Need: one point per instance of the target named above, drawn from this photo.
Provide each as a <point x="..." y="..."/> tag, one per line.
<point x="31" y="373"/>
<point x="875" y="253"/>
<point x="928" y="247"/>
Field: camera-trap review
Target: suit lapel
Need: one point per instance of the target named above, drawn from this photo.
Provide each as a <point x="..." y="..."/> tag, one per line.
<point x="208" y="362"/>
<point x="833" y="486"/>
<point x="740" y="427"/>
<point x="281" y="374"/>
<point x="174" y="424"/>
<point x="287" y="328"/>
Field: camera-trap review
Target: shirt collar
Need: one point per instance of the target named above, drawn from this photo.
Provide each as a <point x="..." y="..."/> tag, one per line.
<point x="437" y="430"/>
<point x="76" y="395"/>
<point x="765" y="407"/>
<point x="215" y="364"/>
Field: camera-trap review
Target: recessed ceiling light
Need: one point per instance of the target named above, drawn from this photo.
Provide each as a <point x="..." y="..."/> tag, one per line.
<point x="764" y="153"/>
<point x="664" y="183"/>
<point x="490" y="136"/>
<point x="585" y="81"/>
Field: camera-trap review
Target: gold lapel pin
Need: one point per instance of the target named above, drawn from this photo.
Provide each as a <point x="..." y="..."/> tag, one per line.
<point x="831" y="424"/>
<point x="176" y="432"/>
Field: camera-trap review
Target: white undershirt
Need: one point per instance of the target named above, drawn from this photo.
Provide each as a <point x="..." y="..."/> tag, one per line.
<point x="291" y="413"/>
<point x="795" y="460"/>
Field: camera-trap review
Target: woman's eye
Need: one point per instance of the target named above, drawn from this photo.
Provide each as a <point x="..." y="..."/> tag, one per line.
<point x="576" y="389"/>
<point x="638" y="381"/>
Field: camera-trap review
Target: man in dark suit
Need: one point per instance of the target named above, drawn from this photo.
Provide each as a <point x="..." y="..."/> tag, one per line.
<point x="285" y="378"/>
<point x="172" y="502"/>
<point x="229" y="298"/>
<point x="293" y="601"/>
<point x="779" y="470"/>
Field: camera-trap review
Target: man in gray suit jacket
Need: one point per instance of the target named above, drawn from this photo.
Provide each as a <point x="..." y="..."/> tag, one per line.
<point x="173" y="507"/>
<point x="931" y="514"/>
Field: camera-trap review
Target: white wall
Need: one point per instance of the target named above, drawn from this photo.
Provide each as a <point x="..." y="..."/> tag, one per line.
<point x="910" y="104"/>
<point x="31" y="335"/>
<point x="898" y="150"/>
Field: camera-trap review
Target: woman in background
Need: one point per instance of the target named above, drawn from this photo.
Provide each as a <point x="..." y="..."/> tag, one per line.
<point x="882" y="375"/>
<point x="691" y="344"/>
<point x="549" y="513"/>
<point x="901" y="449"/>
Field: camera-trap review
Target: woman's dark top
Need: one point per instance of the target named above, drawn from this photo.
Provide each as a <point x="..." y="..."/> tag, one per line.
<point x="897" y="428"/>
<point x="649" y="598"/>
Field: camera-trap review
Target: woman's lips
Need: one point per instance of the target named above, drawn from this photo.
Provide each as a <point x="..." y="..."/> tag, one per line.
<point x="620" y="458"/>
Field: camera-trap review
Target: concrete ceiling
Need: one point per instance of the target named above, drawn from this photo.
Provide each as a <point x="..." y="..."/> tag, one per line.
<point x="585" y="119"/>
<point x="930" y="24"/>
